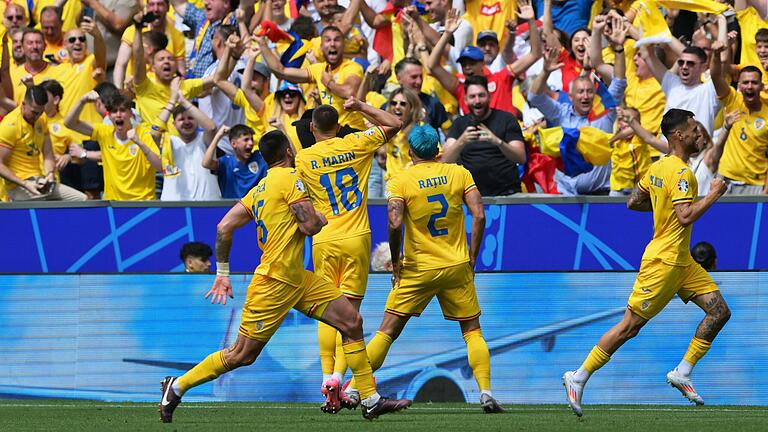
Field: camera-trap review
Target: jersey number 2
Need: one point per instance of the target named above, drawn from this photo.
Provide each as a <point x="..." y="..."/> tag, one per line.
<point x="439" y="198"/>
<point x="344" y="190"/>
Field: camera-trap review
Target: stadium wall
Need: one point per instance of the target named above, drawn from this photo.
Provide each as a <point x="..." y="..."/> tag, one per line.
<point x="522" y="234"/>
<point x="113" y="338"/>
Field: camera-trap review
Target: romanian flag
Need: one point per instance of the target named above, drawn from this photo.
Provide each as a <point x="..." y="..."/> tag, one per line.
<point x="578" y="149"/>
<point x="603" y="102"/>
<point x="383" y="39"/>
<point x="293" y="56"/>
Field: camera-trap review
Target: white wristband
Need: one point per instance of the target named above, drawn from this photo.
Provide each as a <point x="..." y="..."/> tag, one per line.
<point x="222" y="269"/>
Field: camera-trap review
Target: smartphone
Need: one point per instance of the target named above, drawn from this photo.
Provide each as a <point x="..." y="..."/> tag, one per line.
<point x="149" y="17"/>
<point x="88" y="12"/>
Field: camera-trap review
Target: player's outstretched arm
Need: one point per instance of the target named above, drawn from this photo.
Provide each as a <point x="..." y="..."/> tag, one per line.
<point x="310" y="220"/>
<point x="395" y="209"/>
<point x="474" y="202"/>
<point x="639" y="201"/>
<point x="386" y="120"/>
<point x="235" y="218"/>
<point x="688" y="213"/>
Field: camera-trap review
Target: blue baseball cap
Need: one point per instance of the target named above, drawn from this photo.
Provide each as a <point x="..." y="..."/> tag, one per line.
<point x="471" y="53"/>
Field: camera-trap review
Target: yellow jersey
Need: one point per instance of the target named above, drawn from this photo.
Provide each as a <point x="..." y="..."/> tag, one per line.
<point x="744" y="158"/>
<point x="152" y="96"/>
<point x="55" y="72"/>
<point x="490" y="15"/>
<point x="670" y="182"/>
<point x="648" y="99"/>
<point x="128" y="174"/>
<point x="58" y="52"/>
<point x="630" y="160"/>
<point x="62" y="136"/>
<point x="433" y="194"/>
<point x="26" y="143"/>
<point x="397" y="155"/>
<point x="252" y="118"/>
<point x="277" y="231"/>
<point x="336" y="173"/>
<point x="750" y="22"/>
<point x="78" y="80"/>
<point x="175" y="43"/>
<point x="340" y="74"/>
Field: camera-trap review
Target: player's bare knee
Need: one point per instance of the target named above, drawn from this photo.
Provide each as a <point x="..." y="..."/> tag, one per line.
<point x="352" y="327"/>
<point x="722" y="315"/>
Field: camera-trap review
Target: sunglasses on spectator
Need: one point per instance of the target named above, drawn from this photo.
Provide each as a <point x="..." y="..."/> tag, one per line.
<point x="72" y="39"/>
<point x="291" y="93"/>
<point x="400" y="103"/>
<point x="15" y="17"/>
<point x="682" y="62"/>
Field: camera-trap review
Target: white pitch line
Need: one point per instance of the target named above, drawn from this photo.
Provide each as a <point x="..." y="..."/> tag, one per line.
<point x="759" y="410"/>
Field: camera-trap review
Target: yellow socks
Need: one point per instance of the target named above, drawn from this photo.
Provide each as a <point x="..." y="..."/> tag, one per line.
<point x="357" y="357"/>
<point x="326" y="339"/>
<point x="340" y="365"/>
<point x="696" y="350"/>
<point x="596" y="359"/>
<point x="479" y="358"/>
<point x="378" y="348"/>
<point x="377" y="351"/>
<point x="207" y="370"/>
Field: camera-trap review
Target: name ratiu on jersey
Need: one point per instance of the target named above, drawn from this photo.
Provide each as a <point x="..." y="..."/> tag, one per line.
<point x="433" y="182"/>
<point x="333" y="160"/>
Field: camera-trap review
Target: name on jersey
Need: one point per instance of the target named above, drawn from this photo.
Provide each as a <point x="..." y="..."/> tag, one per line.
<point x="333" y="160"/>
<point x="657" y="181"/>
<point x="433" y="182"/>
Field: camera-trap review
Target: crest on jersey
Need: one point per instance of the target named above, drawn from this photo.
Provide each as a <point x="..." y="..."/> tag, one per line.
<point x="759" y="123"/>
<point x="55" y="128"/>
<point x="491" y="86"/>
<point x="369" y="132"/>
<point x="300" y="186"/>
<point x="133" y="149"/>
<point x="253" y="167"/>
<point x="682" y="185"/>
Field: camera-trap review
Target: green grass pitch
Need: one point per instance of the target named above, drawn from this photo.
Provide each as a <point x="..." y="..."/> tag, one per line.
<point x="68" y="415"/>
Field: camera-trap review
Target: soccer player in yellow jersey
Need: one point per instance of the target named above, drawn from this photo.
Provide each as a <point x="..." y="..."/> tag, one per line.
<point x="745" y="156"/>
<point x="129" y="156"/>
<point x="427" y="198"/>
<point x="336" y="172"/>
<point x="669" y="190"/>
<point x="284" y="216"/>
<point x="337" y="78"/>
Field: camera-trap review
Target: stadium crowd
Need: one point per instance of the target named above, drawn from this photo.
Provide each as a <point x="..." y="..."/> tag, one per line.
<point x="167" y="99"/>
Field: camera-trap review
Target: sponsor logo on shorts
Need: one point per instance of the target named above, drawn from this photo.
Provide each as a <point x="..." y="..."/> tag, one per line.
<point x="259" y="325"/>
<point x="645" y="305"/>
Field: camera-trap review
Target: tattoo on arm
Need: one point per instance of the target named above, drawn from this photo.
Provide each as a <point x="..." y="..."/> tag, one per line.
<point x="300" y="212"/>
<point x="639" y="201"/>
<point x="223" y="245"/>
<point x="395" y="211"/>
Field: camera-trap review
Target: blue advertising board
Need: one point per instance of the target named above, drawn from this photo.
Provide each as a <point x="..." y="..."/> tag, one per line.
<point x="526" y="236"/>
<point x="113" y="338"/>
